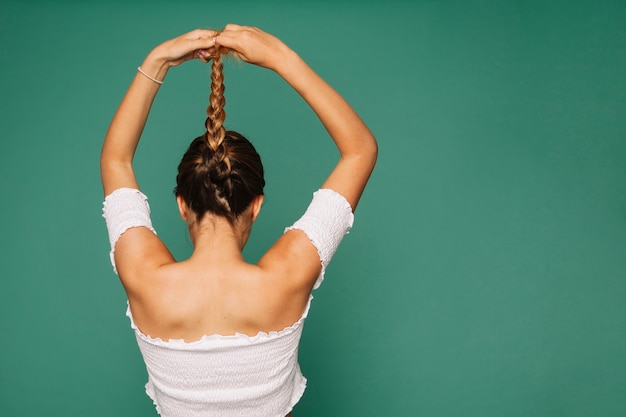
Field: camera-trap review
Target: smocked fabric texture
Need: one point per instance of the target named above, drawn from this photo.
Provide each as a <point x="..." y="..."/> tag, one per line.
<point x="327" y="219"/>
<point x="122" y="209"/>
<point x="229" y="375"/>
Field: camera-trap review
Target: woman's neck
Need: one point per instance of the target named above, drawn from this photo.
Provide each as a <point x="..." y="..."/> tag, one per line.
<point x="214" y="237"/>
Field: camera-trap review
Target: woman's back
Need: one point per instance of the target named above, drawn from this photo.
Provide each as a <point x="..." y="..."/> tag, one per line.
<point x="223" y="372"/>
<point x="190" y="299"/>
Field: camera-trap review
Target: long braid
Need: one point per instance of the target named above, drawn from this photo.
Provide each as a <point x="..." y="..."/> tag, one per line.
<point x="215" y="111"/>
<point x="216" y="133"/>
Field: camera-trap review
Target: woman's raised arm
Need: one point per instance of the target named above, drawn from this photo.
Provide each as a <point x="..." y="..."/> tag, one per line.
<point x="128" y="123"/>
<point x="356" y="144"/>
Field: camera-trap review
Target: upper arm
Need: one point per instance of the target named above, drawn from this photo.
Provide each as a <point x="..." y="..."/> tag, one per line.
<point x="307" y="247"/>
<point x="134" y="244"/>
<point x="293" y="260"/>
<point x="139" y="252"/>
<point x="116" y="174"/>
<point x="350" y="176"/>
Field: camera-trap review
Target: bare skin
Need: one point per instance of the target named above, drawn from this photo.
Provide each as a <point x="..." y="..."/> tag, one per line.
<point x="215" y="291"/>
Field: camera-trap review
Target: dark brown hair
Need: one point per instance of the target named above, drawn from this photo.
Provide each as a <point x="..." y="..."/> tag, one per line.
<point x="221" y="172"/>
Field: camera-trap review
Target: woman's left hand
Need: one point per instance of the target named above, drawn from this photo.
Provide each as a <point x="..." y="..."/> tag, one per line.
<point x="199" y="43"/>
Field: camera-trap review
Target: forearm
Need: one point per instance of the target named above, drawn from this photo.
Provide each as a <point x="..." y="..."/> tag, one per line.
<point x="128" y="122"/>
<point x="355" y="142"/>
<point x="351" y="135"/>
<point x="127" y="126"/>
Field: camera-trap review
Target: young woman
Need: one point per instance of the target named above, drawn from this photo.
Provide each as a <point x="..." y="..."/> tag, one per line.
<point x="219" y="336"/>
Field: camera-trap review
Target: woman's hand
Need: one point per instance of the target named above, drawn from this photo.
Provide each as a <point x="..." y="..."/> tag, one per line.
<point x="199" y="43"/>
<point x="252" y="45"/>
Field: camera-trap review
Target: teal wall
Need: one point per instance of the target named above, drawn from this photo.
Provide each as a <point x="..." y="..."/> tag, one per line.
<point x="486" y="273"/>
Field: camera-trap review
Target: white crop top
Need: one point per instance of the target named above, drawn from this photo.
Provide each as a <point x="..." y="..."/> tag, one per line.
<point x="235" y="375"/>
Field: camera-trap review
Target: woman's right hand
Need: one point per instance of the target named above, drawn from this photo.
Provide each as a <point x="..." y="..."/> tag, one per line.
<point x="254" y="46"/>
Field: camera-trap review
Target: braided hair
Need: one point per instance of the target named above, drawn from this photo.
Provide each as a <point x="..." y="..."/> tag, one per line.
<point x="221" y="172"/>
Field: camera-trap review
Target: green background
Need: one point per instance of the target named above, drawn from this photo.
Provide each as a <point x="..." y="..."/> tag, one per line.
<point x="485" y="274"/>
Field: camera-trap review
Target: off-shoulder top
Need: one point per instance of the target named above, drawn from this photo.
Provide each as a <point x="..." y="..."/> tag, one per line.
<point x="229" y="375"/>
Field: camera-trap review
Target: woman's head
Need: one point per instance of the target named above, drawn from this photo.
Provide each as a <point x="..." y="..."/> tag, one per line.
<point x="221" y="172"/>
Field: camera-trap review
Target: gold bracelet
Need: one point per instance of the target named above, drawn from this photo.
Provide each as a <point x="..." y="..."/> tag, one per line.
<point x="149" y="77"/>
